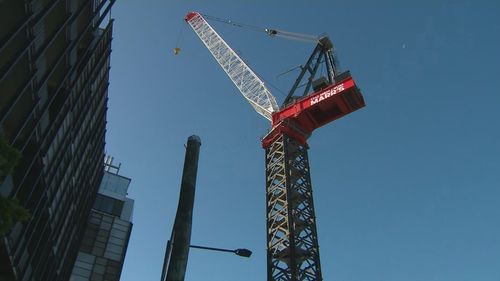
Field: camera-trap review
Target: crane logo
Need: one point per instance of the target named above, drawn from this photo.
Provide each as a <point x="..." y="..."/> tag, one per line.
<point x="326" y="94"/>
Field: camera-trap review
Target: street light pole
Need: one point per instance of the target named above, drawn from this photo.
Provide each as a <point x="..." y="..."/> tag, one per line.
<point x="177" y="252"/>
<point x="240" y="252"/>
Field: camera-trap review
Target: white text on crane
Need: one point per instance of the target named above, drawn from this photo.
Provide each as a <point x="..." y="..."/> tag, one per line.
<point x="326" y="94"/>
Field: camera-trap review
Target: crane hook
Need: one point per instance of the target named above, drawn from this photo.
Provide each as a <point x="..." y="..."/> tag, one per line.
<point x="271" y="32"/>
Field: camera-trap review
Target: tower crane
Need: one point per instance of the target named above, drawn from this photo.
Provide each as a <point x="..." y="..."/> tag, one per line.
<point x="292" y="241"/>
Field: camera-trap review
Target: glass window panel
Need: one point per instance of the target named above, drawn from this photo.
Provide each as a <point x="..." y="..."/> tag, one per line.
<point x="108" y="205"/>
<point x="86" y="258"/>
<point x="117" y="241"/>
<point x="101" y="261"/>
<point x="77" y="278"/>
<point x="120" y="227"/>
<point x="113" y="256"/>
<point x="81" y="272"/>
<point x="99" y="269"/>
<point x="107" y="219"/>
<point x="98" y="251"/>
<point x="101" y="239"/>
<point x="118" y="233"/>
<point x="114" y="248"/>
<point x="122" y="222"/>
<point x="83" y="265"/>
<point x="113" y="267"/>
<point x="106" y="225"/>
<point x="100" y="244"/>
<point x="97" y="277"/>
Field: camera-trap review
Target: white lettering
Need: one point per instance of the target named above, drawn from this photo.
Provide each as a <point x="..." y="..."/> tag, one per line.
<point x="335" y="90"/>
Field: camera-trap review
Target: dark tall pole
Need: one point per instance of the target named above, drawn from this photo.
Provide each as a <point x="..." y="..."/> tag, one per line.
<point x="176" y="255"/>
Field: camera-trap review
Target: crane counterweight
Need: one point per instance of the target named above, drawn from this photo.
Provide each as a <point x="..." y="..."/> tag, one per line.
<point x="315" y="110"/>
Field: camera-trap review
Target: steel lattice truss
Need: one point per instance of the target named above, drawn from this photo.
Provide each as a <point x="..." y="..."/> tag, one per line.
<point x="292" y="243"/>
<point x="249" y="84"/>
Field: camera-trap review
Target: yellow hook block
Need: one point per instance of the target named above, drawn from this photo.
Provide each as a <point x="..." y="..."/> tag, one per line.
<point x="176" y="51"/>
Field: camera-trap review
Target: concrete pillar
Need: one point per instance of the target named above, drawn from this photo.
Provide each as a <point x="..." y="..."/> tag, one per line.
<point x="176" y="256"/>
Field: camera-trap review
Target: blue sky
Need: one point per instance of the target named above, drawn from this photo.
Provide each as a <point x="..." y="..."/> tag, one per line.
<point x="406" y="189"/>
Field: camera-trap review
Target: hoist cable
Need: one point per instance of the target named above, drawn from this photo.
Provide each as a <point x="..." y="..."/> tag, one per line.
<point x="177" y="48"/>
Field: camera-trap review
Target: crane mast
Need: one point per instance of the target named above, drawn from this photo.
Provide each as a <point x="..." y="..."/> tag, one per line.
<point x="292" y="240"/>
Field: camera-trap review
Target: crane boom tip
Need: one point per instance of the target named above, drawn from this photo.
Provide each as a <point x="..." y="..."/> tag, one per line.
<point x="190" y="15"/>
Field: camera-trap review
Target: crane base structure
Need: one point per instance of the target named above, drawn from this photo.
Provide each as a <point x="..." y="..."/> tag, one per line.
<point x="292" y="241"/>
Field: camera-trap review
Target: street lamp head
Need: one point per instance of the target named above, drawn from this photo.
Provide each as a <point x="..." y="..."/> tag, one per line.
<point x="243" y="252"/>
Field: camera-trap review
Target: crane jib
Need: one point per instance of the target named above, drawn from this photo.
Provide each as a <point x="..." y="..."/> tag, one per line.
<point x="243" y="77"/>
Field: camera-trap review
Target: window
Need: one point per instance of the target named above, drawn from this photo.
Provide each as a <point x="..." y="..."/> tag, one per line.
<point x="108" y="205"/>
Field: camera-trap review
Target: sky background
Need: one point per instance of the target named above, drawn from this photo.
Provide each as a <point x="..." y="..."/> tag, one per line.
<point x="405" y="189"/>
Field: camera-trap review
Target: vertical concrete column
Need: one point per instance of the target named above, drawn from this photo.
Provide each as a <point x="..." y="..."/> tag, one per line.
<point x="176" y="256"/>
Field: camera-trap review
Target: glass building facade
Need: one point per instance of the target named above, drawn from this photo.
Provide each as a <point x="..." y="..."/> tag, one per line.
<point x="104" y="244"/>
<point x="54" y="73"/>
